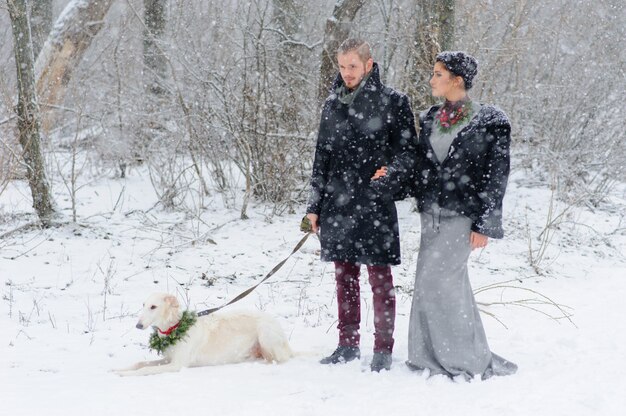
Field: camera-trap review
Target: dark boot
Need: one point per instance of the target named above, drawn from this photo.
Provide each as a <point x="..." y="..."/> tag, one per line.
<point x="381" y="361"/>
<point x="342" y="354"/>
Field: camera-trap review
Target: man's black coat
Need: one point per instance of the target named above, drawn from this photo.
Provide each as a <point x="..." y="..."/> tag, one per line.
<point x="358" y="225"/>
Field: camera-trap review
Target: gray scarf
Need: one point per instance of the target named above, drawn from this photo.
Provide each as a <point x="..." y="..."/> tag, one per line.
<point x="347" y="97"/>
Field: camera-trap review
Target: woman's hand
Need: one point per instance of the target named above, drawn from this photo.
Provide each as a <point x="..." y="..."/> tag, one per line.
<point x="313" y="218"/>
<point x="478" y="240"/>
<point x="380" y="173"/>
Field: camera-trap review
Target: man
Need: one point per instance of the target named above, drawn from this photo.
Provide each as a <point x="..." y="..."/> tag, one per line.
<point x="364" y="126"/>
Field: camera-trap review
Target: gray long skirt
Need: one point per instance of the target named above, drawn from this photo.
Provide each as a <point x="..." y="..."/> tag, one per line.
<point x="446" y="334"/>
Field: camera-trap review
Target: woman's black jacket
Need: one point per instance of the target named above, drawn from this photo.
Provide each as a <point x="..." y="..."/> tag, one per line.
<point x="471" y="180"/>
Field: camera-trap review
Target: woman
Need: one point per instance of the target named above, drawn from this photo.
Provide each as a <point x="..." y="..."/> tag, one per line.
<point x="459" y="182"/>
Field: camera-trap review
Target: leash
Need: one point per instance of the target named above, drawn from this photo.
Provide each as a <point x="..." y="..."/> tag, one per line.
<point x="304" y="228"/>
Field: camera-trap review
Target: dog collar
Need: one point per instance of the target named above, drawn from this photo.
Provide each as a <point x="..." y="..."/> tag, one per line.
<point x="169" y="330"/>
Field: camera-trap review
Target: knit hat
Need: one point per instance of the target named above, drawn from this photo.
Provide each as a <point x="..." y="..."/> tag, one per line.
<point x="460" y="64"/>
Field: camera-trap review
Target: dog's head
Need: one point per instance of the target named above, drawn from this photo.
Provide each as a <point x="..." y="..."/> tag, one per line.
<point x="160" y="310"/>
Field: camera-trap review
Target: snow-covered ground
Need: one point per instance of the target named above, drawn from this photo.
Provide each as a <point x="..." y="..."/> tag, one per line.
<point x="70" y="296"/>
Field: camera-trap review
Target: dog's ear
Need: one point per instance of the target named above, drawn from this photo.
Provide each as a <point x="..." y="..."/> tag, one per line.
<point x="171" y="300"/>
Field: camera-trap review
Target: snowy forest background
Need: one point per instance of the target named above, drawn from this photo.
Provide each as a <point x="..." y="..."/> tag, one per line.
<point x="175" y="142"/>
<point x="205" y="93"/>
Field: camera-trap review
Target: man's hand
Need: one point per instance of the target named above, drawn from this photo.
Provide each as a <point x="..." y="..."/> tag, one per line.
<point x="313" y="218"/>
<point x="380" y="173"/>
<point x="478" y="240"/>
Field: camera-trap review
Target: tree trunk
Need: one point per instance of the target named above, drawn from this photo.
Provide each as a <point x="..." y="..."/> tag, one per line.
<point x="434" y="33"/>
<point x="28" y="112"/>
<point x="155" y="61"/>
<point x="41" y="20"/>
<point x="72" y="34"/>
<point x="287" y="18"/>
<point x="337" y="30"/>
<point x="447" y="24"/>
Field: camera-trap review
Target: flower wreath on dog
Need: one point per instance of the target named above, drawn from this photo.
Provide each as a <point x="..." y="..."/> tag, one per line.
<point x="160" y="343"/>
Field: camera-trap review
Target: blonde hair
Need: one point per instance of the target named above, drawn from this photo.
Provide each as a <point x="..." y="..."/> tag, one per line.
<point x="361" y="47"/>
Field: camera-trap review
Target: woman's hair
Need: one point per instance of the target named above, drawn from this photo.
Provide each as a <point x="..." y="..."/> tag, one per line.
<point x="460" y="64"/>
<point x="361" y="47"/>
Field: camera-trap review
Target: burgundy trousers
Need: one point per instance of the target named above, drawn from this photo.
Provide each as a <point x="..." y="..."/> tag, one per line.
<point x="349" y="304"/>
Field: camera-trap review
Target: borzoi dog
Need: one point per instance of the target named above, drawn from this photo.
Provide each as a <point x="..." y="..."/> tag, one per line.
<point x="219" y="338"/>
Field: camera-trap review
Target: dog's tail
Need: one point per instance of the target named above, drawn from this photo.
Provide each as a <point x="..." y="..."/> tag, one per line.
<point x="272" y="341"/>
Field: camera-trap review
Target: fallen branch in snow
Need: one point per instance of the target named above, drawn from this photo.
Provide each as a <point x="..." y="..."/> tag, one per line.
<point x="27" y="226"/>
<point x="534" y="303"/>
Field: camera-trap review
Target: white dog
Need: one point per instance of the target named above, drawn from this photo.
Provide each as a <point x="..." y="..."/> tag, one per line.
<point x="219" y="338"/>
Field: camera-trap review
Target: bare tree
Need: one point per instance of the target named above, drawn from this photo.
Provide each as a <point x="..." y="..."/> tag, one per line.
<point x="72" y="34"/>
<point x="287" y="20"/>
<point x="434" y="32"/>
<point x="41" y="19"/>
<point x="155" y="61"/>
<point x="155" y="78"/>
<point x="28" y="111"/>
<point x="290" y="54"/>
<point x="337" y="30"/>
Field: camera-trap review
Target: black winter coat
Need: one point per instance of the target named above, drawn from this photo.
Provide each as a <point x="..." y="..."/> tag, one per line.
<point x="358" y="225"/>
<point x="471" y="180"/>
